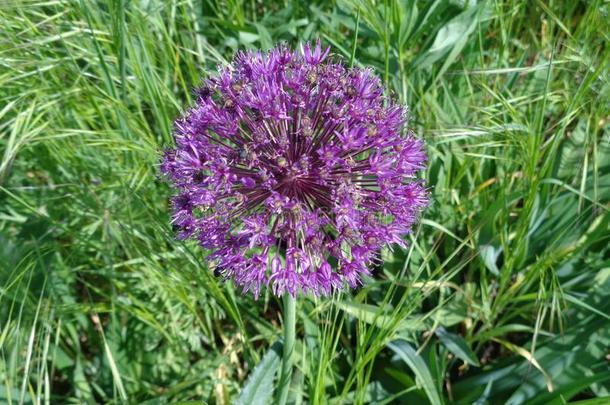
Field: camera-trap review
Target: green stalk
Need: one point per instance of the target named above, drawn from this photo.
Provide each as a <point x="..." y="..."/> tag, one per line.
<point x="289" y="332"/>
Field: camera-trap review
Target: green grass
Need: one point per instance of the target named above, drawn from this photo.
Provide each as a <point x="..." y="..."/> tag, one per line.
<point x="503" y="295"/>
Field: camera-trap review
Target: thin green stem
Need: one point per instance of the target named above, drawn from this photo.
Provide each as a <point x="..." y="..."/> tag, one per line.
<point x="289" y="333"/>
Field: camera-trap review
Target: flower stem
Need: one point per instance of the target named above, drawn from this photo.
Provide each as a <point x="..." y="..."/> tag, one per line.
<point x="289" y="332"/>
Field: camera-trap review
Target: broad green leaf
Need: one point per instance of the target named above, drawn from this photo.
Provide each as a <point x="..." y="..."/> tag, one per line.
<point x="567" y="391"/>
<point x="419" y="368"/>
<point x="594" y="401"/>
<point x="453" y="312"/>
<point x="489" y="254"/>
<point x="583" y="304"/>
<point x="458" y="346"/>
<point x="482" y="400"/>
<point x="375" y="315"/>
<point x="259" y="386"/>
<point x="451" y="38"/>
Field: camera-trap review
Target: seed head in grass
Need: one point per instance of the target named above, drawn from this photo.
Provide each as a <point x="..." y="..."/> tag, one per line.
<point x="293" y="171"/>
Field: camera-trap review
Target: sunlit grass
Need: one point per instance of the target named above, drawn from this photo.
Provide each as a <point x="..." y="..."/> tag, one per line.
<point x="99" y="302"/>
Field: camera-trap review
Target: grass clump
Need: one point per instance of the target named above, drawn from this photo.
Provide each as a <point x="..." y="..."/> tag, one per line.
<point x="501" y="297"/>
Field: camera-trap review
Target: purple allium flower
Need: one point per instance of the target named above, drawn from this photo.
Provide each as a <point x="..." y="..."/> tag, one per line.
<point x="290" y="162"/>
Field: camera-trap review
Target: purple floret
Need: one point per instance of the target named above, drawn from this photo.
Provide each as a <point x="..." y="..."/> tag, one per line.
<point x="290" y="161"/>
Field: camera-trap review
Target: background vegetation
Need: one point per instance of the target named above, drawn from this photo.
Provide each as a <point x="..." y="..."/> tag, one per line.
<point x="502" y="297"/>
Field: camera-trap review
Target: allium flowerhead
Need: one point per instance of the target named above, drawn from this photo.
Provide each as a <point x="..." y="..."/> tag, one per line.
<point x="293" y="171"/>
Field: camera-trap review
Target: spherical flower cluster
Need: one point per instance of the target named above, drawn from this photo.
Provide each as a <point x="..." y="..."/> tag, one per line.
<point x="293" y="171"/>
